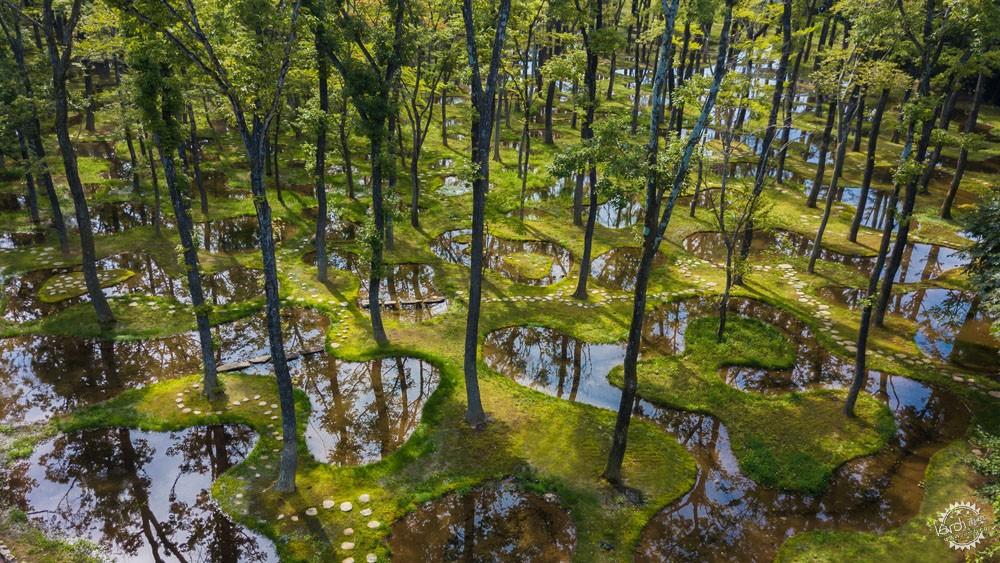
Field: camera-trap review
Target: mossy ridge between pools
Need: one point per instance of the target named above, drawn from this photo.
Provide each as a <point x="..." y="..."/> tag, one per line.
<point x="61" y="287"/>
<point x="948" y="479"/>
<point x="530" y="435"/>
<point x="793" y="441"/>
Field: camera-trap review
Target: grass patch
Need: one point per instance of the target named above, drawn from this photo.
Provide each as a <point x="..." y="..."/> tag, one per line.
<point x="528" y="265"/>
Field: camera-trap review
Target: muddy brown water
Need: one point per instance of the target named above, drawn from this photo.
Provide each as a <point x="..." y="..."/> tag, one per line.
<point x="138" y="496"/>
<point x="726" y="516"/>
<point x="920" y="261"/>
<point x="952" y="325"/>
<point x="493" y="522"/>
<point x="454" y="246"/>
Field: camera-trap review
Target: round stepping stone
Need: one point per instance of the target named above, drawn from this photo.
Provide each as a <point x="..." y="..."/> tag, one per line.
<point x="348" y="560"/>
<point x="348" y="531"/>
<point x="281" y="517"/>
<point x="371" y="558"/>
<point x="346" y="507"/>
<point x="366" y="512"/>
<point x="328" y="504"/>
<point x="995" y="394"/>
<point x="347" y="546"/>
<point x="373" y="524"/>
<point x="311" y="511"/>
<point x="295" y="518"/>
<point x="364" y="498"/>
<point x="186" y="410"/>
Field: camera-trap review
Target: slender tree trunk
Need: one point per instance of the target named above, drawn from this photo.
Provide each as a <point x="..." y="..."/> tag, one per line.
<point x="156" y="187"/>
<point x="587" y="134"/>
<point x="345" y="147"/>
<point x="550" y="94"/>
<point x="963" y="156"/>
<point x="483" y="97"/>
<point x="823" y="150"/>
<point x="90" y="104"/>
<point x="58" y="64"/>
<point x="861" y="121"/>
<point x="212" y="390"/>
<point x="653" y="231"/>
<point x="195" y="151"/>
<point x="29" y="179"/>
<point x="868" y="303"/>
<point x="866" y="182"/>
<point x="843" y="130"/>
<point x="376" y="242"/>
<point x="932" y="161"/>
<point x="746" y="239"/>
<point x="319" y="171"/>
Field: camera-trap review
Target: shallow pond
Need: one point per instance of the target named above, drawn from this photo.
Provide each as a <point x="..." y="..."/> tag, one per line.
<point x="547" y="261"/>
<point x="951" y="324"/>
<point x="727" y="513"/>
<point x="139" y="496"/>
<point x="617" y="268"/>
<point x="920" y="261"/>
<point x="45" y="375"/>
<point x="233" y="234"/>
<point x="362" y="411"/>
<point x="493" y="522"/>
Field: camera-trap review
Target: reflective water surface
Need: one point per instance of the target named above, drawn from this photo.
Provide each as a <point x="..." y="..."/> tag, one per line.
<point x="139" y="496"/>
<point x="493" y="522"/>
<point x="504" y="256"/>
<point x="726" y="513"/>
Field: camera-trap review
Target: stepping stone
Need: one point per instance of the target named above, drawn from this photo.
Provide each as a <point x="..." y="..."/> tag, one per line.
<point x="366" y="512"/>
<point x="371" y="558"/>
<point x="311" y="511"/>
<point x="995" y="394"/>
<point x="281" y="517"/>
<point x="186" y="410"/>
<point x="348" y="531"/>
<point x="364" y="498"/>
<point x="373" y="525"/>
<point x="295" y="518"/>
<point x="346" y="507"/>
<point x="348" y="560"/>
<point x="347" y="546"/>
<point x="256" y="397"/>
<point x="328" y="504"/>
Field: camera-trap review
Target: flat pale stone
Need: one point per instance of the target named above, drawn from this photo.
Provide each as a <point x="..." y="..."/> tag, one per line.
<point x="346" y="507"/>
<point x="364" y="498"/>
<point x="347" y="545"/>
<point x="295" y="518"/>
<point x="371" y="558"/>
<point x="256" y="397"/>
<point x="348" y="560"/>
<point x="328" y="504"/>
<point x="348" y="531"/>
<point x="281" y="517"/>
<point x="995" y="394"/>
<point x="366" y="512"/>
<point x="186" y="410"/>
<point x="373" y="524"/>
<point x="311" y="511"/>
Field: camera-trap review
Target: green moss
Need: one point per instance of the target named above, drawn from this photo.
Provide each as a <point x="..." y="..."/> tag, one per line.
<point x="745" y="342"/>
<point x="529" y="265"/>
<point x="67" y="286"/>
<point x="28" y="543"/>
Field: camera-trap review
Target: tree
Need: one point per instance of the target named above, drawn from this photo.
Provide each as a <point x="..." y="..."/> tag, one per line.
<point x="245" y="50"/>
<point x="159" y="97"/>
<point x="653" y="231"/>
<point x="59" y="37"/>
<point x="371" y="84"/>
<point x="10" y="22"/>
<point x="483" y="103"/>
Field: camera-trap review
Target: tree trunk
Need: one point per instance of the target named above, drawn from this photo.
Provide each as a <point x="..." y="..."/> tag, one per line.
<point x="587" y="134"/>
<point x="823" y="149"/>
<point x="195" y="151"/>
<point x="257" y="156"/>
<point x="345" y="148"/>
<point x="156" y="187"/>
<point x="58" y="63"/>
<point x="550" y="94"/>
<point x="653" y="231"/>
<point x="963" y="157"/>
<point x="483" y="98"/>
<point x="29" y="179"/>
<point x="843" y="130"/>
<point x="946" y="113"/>
<point x="861" y="121"/>
<point x="866" y="182"/>
<point x="319" y="171"/>
<point x="88" y="93"/>
<point x="212" y="389"/>
<point x="376" y="242"/>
